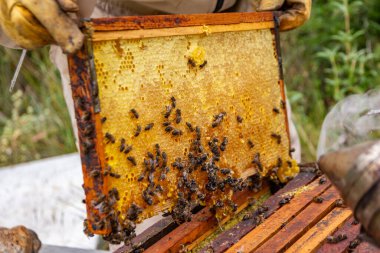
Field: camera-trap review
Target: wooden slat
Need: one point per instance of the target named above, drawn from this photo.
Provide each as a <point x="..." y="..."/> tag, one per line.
<point x="313" y="238"/>
<point x="169" y="21"/>
<point x="201" y="223"/>
<point x="151" y="235"/>
<point x="179" y="31"/>
<point x="229" y="237"/>
<point x="350" y="229"/>
<point x="366" y="247"/>
<point x="269" y="227"/>
<point x="301" y="223"/>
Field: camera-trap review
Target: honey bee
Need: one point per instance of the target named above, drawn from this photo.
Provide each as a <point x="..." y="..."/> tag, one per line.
<point x="177" y="132"/>
<point x="322" y="180"/>
<point x="150" y="155"/>
<point x="134" y="113"/>
<point x="198" y="131"/>
<point x="173" y="101"/>
<point x="276" y="110"/>
<point x="127" y="149"/>
<point x="122" y="145"/>
<point x="189" y="126"/>
<point x="169" y="109"/>
<point x="218" y="119"/>
<point x="147" y="198"/>
<point x="224" y="143"/>
<point x="149" y="126"/>
<point x="192" y="63"/>
<point x="239" y="119"/>
<point x="285" y="200"/>
<point x="219" y="203"/>
<point x="133" y="212"/>
<point x="132" y="160"/>
<point x="225" y="171"/>
<point x="178" y="116"/>
<point x="103" y="120"/>
<point x="86" y="116"/>
<point x="283" y="104"/>
<point x="95" y="173"/>
<point x="166" y="123"/>
<point x="110" y="138"/>
<point x="163" y="173"/>
<point x="256" y="160"/>
<point x="279" y="162"/>
<point x="164" y="159"/>
<point x="168" y="129"/>
<point x="141" y="177"/>
<point x="336" y="239"/>
<point x="318" y="199"/>
<point x="203" y="65"/>
<point x="138" y="131"/>
<point x="250" y="144"/>
<point x="339" y="203"/>
<point x="277" y="137"/>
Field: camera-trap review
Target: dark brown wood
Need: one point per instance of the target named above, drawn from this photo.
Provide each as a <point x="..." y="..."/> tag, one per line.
<point x="301" y="223"/>
<point x="170" y="21"/>
<point x="151" y="235"/>
<point x="229" y="237"/>
<point x="350" y="230"/>
<point x="88" y="125"/>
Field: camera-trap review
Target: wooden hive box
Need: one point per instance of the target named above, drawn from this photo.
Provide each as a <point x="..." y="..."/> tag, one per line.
<point x="177" y="111"/>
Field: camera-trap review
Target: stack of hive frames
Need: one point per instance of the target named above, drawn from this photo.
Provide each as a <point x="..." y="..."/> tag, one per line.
<point x="307" y="215"/>
<point x="220" y="64"/>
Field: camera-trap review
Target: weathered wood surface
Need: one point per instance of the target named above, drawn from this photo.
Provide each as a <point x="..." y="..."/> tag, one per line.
<point x="229" y="237"/>
<point x="301" y="223"/>
<point x="170" y="21"/>
<point x="314" y="237"/>
<point x="179" y="31"/>
<point x="350" y="229"/>
<point x="88" y="124"/>
<point x="201" y="223"/>
<point x="270" y="226"/>
<point x="151" y="235"/>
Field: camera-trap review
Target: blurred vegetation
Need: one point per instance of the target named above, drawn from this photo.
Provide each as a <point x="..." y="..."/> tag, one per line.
<point x="335" y="54"/>
<point x="34" y="121"/>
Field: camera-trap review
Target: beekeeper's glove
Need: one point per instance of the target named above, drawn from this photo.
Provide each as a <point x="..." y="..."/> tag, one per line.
<point x="34" y="23"/>
<point x="293" y="12"/>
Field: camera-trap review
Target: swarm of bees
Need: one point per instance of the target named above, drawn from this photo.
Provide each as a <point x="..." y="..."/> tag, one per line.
<point x="200" y="179"/>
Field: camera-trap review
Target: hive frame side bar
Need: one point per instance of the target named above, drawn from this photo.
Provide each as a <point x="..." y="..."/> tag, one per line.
<point x="84" y="93"/>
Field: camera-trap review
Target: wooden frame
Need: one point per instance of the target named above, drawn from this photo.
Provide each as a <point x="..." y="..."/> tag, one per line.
<point x="84" y="83"/>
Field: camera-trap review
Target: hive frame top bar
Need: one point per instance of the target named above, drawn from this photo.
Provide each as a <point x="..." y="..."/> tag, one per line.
<point x="182" y="20"/>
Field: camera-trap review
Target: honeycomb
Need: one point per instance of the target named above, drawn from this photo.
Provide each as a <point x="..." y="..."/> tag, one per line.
<point x="226" y="84"/>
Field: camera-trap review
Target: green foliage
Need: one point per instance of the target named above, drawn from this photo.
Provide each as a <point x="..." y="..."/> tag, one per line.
<point x="334" y="55"/>
<point x="34" y="122"/>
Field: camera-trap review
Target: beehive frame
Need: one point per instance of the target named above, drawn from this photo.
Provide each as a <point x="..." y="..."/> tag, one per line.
<point x="85" y="85"/>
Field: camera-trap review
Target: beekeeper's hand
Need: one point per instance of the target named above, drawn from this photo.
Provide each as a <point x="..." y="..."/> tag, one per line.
<point x="34" y="23"/>
<point x="293" y="12"/>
